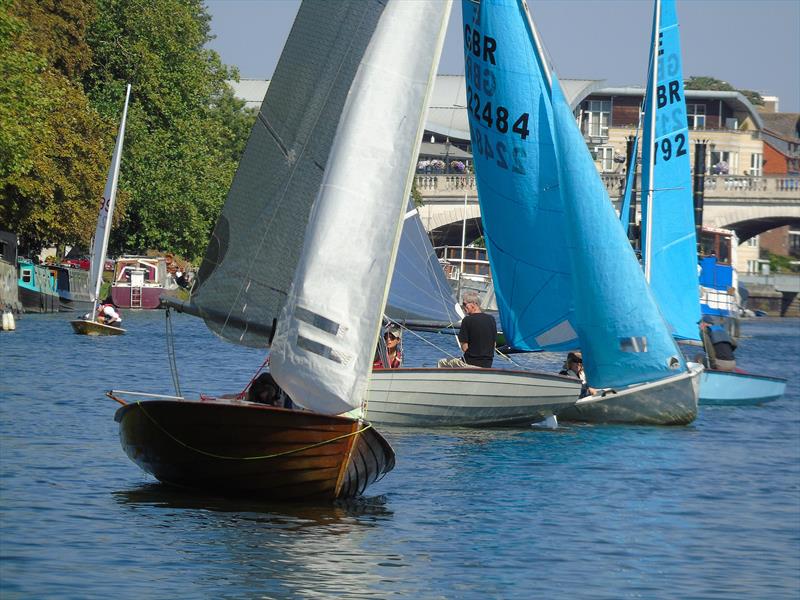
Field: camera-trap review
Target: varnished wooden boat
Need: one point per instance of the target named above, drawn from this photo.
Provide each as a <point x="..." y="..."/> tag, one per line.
<point x="240" y="448"/>
<point x="83" y="327"/>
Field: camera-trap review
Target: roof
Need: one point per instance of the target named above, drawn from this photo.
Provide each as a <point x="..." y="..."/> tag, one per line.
<point x="783" y="125"/>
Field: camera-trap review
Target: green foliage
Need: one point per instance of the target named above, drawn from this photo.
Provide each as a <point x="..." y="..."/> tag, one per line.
<point x="53" y="145"/>
<point x="780" y="264"/>
<point x="416" y="196"/>
<point x="185" y="131"/>
<point x="754" y="97"/>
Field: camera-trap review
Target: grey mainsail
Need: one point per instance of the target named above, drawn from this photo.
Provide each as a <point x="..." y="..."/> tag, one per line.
<point x="249" y="264"/>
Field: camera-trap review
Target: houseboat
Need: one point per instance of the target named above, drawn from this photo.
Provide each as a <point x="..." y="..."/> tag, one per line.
<point x="37" y="287"/>
<point x="139" y="281"/>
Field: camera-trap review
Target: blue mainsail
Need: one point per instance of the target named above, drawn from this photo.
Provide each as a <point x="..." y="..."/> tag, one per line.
<point x="622" y="333"/>
<point x="668" y="240"/>
<point x="511" y="129"/>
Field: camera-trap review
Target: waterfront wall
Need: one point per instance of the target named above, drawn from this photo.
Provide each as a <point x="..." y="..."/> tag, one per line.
<point x="9" y="297"/>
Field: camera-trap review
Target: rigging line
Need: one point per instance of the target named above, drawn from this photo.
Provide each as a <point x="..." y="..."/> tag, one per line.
<point x="292" y="171"/>
<point x="170" y="339"/>
<point x="414" y="333"/>
<point x="241" y="394"/>
<point x="262" y="457"/>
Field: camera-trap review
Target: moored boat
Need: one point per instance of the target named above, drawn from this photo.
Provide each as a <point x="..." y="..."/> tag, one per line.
<point x="36" y="287"/>
<point x="139" y="282"/>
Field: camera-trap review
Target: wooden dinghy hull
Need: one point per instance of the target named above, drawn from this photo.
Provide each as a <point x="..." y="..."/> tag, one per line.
<point x="83" y="327"/>
<point x="238" y="448"/>
<point x="669" y="401"/>
<point x="723" y="388"/>
<point x="467" y="397"/>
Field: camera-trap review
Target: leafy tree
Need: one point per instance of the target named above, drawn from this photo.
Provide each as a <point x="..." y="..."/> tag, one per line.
<point x="55" y="143"/>
<point x="185" y="130"/>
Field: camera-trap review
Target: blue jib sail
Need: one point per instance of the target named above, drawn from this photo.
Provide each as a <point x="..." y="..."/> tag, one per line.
<point x="668" y="239"/>
<point x="511" y="125"/>
<point x="630" y="181"/>
<point x="622" y="333"/>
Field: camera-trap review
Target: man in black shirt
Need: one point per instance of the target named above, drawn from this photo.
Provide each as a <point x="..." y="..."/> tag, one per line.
<point x="478" y="335"/>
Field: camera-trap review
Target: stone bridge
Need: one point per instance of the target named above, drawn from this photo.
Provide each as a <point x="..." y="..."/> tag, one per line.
<point x="748" y="205"/>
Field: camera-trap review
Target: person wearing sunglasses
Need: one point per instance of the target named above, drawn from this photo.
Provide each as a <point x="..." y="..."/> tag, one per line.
<point x="477" y="336"/>
<point x="392" y="338"/>
<point x="573" y="367"/>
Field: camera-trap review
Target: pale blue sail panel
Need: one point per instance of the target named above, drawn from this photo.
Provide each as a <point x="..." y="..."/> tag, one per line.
<point x="673" y="255"/>
<point x="630" y="181"/>
<point x="419" y="290"/>
<point x="622" y="333"/>
<point x="510" y="124"/>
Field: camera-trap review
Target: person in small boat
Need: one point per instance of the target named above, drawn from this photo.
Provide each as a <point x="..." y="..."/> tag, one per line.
<point x="107" y="314"/>
<point x="573" y="367"/>
<point x="392" y="337"/>
<point x="477" y="336"/>
<point x="265" y="390"/>
<point x="718" y="344"/>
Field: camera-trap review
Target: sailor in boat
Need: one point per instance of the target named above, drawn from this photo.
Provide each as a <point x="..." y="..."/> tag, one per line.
<point x="573" y="367"/>
<point x="718" y="344"/>
<point x="107" y="314"/>
<point x="265" y="390"/>
<point x="392" y="337"/>
<point x="477" y="336"/>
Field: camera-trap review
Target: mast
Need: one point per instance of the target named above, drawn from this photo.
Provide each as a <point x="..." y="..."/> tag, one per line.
<point x="463" y="242"/>
<point x="653" y="108"/>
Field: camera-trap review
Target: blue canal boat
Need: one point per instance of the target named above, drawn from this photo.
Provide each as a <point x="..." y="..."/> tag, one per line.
<point x="37" y="287"/>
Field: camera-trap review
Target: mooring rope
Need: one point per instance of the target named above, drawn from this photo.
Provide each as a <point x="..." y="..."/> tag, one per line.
<point x="263" y="457"/>
<point x="173" y="365"/>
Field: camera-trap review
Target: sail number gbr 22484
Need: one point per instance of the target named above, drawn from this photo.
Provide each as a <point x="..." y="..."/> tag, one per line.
<point x="496" y="116"/>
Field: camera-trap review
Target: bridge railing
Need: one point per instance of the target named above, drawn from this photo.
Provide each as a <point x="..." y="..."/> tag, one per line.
<point x="716" y="186"/>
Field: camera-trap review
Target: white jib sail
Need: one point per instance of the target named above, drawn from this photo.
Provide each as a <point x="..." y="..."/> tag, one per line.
<point x="326" y="337"/>
<point x="103" y="231"/>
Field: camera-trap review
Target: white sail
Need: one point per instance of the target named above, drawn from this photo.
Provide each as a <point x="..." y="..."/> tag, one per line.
<point x="103" y="231"/>
<point x="325" y="339"/>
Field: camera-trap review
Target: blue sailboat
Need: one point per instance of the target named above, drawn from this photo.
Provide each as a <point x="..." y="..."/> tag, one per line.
<point x="565" y="274"/>
<point x="669" y="238"/>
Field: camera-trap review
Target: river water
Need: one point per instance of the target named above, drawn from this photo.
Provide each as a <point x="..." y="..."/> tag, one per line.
<point x="711" y="510"/>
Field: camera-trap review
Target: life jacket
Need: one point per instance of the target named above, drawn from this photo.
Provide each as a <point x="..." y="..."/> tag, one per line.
<point x="718" y="334"/>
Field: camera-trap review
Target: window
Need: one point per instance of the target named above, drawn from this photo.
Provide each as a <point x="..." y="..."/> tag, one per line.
<point x="696" y="116"/>
<point x="752" y="242"/>
<point x="723" y="162"/>
<point x="757" y="164"/>
<point x="605" y="156"/>
<point x="597" y="118"/>
<point x="752" y="265"/>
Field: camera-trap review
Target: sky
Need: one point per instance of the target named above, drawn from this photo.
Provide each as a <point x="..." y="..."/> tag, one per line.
<point x="751" y="44"/>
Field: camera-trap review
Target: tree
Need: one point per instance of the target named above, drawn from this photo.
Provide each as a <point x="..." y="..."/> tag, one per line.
<point x="54" y="145"/>
<point x="185" y="131"/>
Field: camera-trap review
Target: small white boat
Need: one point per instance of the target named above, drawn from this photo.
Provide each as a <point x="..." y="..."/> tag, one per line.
<point x="424" y="397"/>
<point x="723" y="388"/>
<point x="670" y="401"/>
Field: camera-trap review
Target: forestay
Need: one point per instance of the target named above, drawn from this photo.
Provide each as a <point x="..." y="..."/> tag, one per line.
<point x="622" y="334"/>
<point x="251" y="258"/>
<point x="523" y="218"/>
<point x="104" y="220"/>
<point x="326" y="335"/>
<point x="669" y="239"/>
